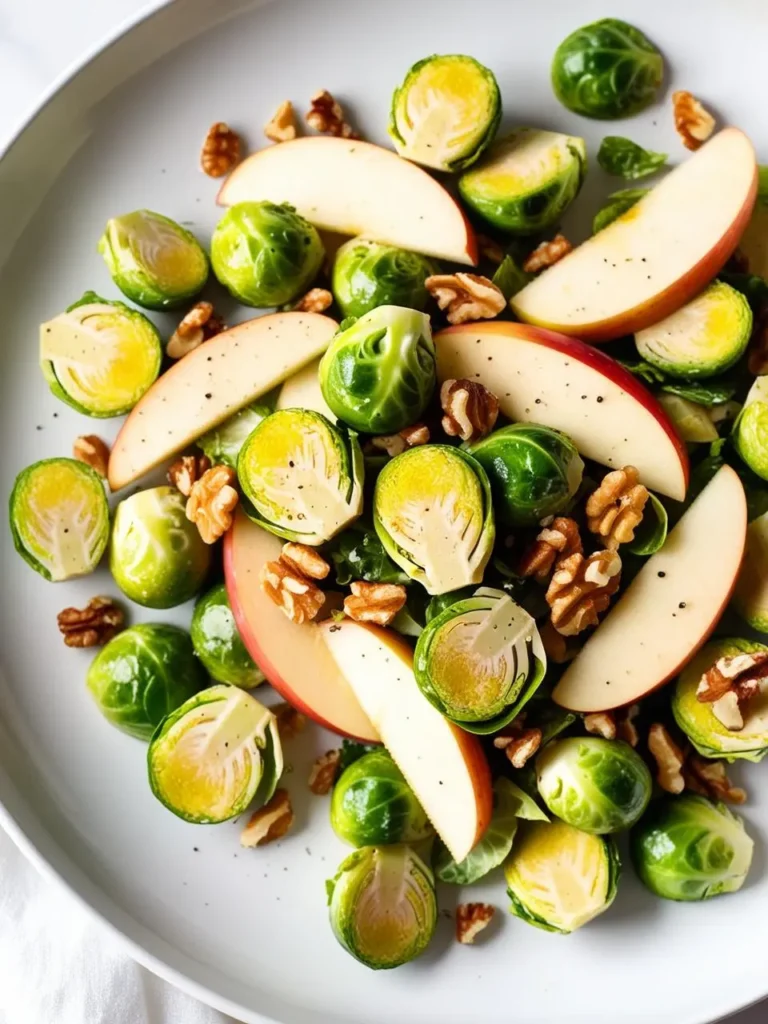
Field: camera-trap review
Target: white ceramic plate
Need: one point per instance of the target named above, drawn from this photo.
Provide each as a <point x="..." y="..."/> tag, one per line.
<point x="247" y="930"/>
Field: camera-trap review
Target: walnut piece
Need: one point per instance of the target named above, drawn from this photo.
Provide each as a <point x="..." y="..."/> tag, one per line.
<point x="601" y="723"/>
<point x="298" y="597"/>
<point x="374" y="602"/>
<point x="581" y="589"/>
<point x="615" y="509"/>
<point x="306" y="560"/>
<point x="625" y="725"/>
<point x="490" y="249"/>
<point x="471" y="410"/>
<point x="558" y="648"/>
<point x="270" y="822"/>
<point x="471" y="919"/>
<point x="466" y="296"/>
<point x="712" y="777"/>
<point x="730" y="683"/>
<point x="212" y="501"/>
<point x="221" y="150"/>
<point x="396" y="444"/>
<point x="326" y="115"/>
<point x="200" y="324"/>
<point x="669" y="759"/>
<point x="554" y="543"/>
<point x="282" y="126"/>
<point x="317" y="300"/>
<point x="186" y="471"/>
<point x="94" y="452"/>
<point x="693" y="121"/>
<point x="547" y="254"/>
<point x="324" y="772"/>
<point x="522" y="748"/>
<point x="290" y="722"/>
<point x="92" y="626"/>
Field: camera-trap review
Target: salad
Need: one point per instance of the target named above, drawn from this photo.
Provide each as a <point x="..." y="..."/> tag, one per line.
<point x="489" y="504"/>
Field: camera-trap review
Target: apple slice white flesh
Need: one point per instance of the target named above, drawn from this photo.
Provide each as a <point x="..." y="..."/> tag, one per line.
<point x="542" y="377"/>
<point x="356" y="188"/>
<point x="444" y="766"/>
<point x="669" y="609"/>
<point x="653" y="259"/>
<point x="294" y="658"/>
<point x="302" y="391"/>
<point x="211" y="384"/>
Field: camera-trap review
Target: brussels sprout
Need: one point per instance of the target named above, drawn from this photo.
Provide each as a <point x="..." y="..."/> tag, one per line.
<point x="607" y="70"/>
<point x="218" y="643"/>
<point x="446" y="112"/>
<point x="379" y="374"/>
<point x="480" y="661"/>
<point x="265" y="254"/>
<point x="373" y="805"/>
<point x="558" y="877"/>
<point x="625" y="159"/>
<point x="619" y="203"/>
<point x="708" y="335"/>
<point x="59" y="518"/>
<point x="214" y="755"/>
<point x="99" y="356"/>
<point x="303" y="476"/>
<point x="358" y="554"/>
<point x="222" y="444"/>
<point x="750" y="431"/>
<point x="534" y="471"/>
<point x="433" y="514"/>
<point x="154" y="261"/>
<point x="157" y="556"/>
<point x="368" y="274"/>
<point x="687" y="848"/>
<point x="750" y="598"/>
<point x="382" y="905"/>
<point x="524" y="182"/>
<point x="142" y="675"/>
<point x="691" y="420"/>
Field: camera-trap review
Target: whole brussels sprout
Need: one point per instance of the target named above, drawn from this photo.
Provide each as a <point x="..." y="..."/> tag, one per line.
<point x="153" y="260"/>
<point x="379" y="374"/>
<point x="368" y="274"/>
<point x="142" y="675"/>
<point x="265" y="254"/>
<point x="750" y="431"/>
<point x="157" y="556"/>
<point x="534" y="471"/>
<point x="222" y="444"/>
<point x="607" y="70"/>
<point x="218" y="643"/>
<point x="373" y="805"/>
<point x="750" y="598"/>
<point x="687" y="848"/>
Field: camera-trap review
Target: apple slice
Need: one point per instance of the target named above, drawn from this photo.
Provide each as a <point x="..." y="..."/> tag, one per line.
<point x="302" y="391"/>
<point x="548" y="378"/>
<point x="210" y="384"/>
<point x="669" y="609"/>
<point x="658" y="255"/>
<point x="356" y="188"/>
<point x="445" y="766"/>
<point x="294" y="658"/>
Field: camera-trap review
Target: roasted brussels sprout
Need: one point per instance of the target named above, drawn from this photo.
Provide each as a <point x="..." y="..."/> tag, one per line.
<point x="691" y="420"/>
<point x="607" y="70"/>
<point x="142" y="675"/>
<point x="265" y="254"/>
<point x="379" y="374"/>
<point x="524" y="182"/>
<point x="218" y="643"/>
<point x="222" y="444"/>
<point x="154" y="261"/>
<point x="534" y="471"/>
<point x="625" y="159"/>
<point x="750" y="598"/>
<point x="157" y="556"/>
<point x="99" y="356"/>
<point x="750" y="431"/>
<point x="446" y="112"/>
<point x="433" y="514"/>
<point x="382" y="905"/>
<point x="368" y="274"/>
<point x="618" y="204"/>
<point x="687" y="848"/>
<point x="302" y="476"/>
<point x="59" y="518"/>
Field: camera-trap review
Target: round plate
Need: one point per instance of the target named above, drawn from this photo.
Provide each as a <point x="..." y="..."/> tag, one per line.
<point x="247" y="930"/>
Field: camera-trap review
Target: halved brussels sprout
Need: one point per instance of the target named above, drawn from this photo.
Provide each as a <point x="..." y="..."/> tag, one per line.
<point x="433" y="514"/>
<point x="265" y="254"/>
<point x="750" y="431"/>
<point x="59" y="518"/>
<point x="708" y="335"/>
<point x="382" y="905"/>
<point x="446" y="112"/>
<point x="594" y="784"/>
<point x="153" y="260"/>
<point x="750" y="598"/>
<point x="303" y="476"/>
<point x="525" y="182"/>
<point x="222" y="444"/>
<point x="687" y="848"/>
<point x="218" y="643"/>
<point x="373" y="805"/>
<point x="560" y="878"/>
<point x="534" y="471"/>
<point x="215" y="755"/>
<point x="100" y="356"/>
<point x="368" y="274"/>
<point x="691" y="420"/>
<point x="142" y="675"/>
<point x="378" y="375"/>
<point x="157" y="556"/>
<point x="480" y="661"/>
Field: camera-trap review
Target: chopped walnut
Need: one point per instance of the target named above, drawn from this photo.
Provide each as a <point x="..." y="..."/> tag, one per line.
<point x="290" y="722"/>
<point x="306" y="560"/>
<point x="200" y="324"/>
<point x="466" y="296"/>
<point x="186" y="471"/>
<point x="693" y="121"/>
<point x="317" y="300"/>
<point x="471" y="919"/>
<point x="547" y="254"/>
<point x="730" y="683"/>
<point x="326" y="115"/>
<point x="270" y="822"/>
<point x="396" y="444"/>
<point x="92" y="626"/>
<point x="554" y="543"/>
<point x="374" y="602"/>
<point x="713" y="779"/>
<point x="471" y="410"/>
<point x="221" y="150"/>
<point x="581" y="589"/>
<point x="490" y="249"/>
<point x="94" y="452"/>
<point x="282" y="126"/>
<point x="558" y="648"/>
<point x="625" y="725"/>
<point x="669" y="759"/>
<point x="298" y="597"/>
<point x="212" y="501"/>
<point x="601" y="723"/>
<point x="324" y="771"/>
<point x="615" y="509"/>
<point x="521" y="749"/>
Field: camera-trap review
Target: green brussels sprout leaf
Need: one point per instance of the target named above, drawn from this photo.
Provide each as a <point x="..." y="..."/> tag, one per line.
<point x="709" y="393"/>
<point x="440" y="602"/>
<point x="493" y="849"/>
<point x="510" y="278"/>
<point x="651" y="534"/>
<point x="751" y="286"/>
<point x="222" y="444"/>
<point x="620" y="202"/>
<point x="411" y="618"/>
<point x="358" y="554"/>
<point x="691" y="421"/>
<point x="625" y="159"/>
<point x="369" y="274"/>
<point x="218" y="643"/>
<point x="351" y="751"/>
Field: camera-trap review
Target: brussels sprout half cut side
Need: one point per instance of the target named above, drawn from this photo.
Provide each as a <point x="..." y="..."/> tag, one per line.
<point x="302" y="476"/>
<point x="446" y="112"/>
<point x="59" y="518"/>
<point x="222" y="444"/>
<point x="369" y="274"/>
<point x="433" y="514"/>
<point x="218" y="643"/>
<point x="215" y="755"/>
<point x="383" y="907"/>
<point x="525" y="182"/>
<point x="750" y="598"/>
<point x="750" y="431"/>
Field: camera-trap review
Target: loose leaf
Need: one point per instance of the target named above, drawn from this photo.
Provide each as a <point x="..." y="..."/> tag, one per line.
<point x="619" y="203"/>
<point x="624" y="158"/>
<point x="493" y="849"/>
<point x="352" y="751"/>
<point x="652" y="531"/>
<point x="709" y="393"/>
<point x="510" y="278"/>
<point x="358" y="554"/>
<point x="646" y="372"/>
<point x="525" y="806"/>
